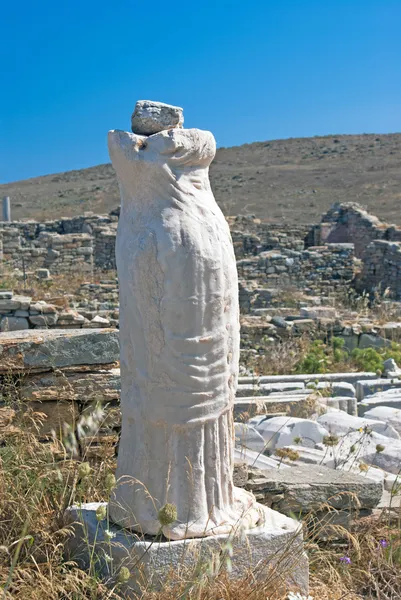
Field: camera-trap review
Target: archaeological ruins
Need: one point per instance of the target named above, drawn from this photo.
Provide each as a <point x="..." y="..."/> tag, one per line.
<point x="129" y="323"/>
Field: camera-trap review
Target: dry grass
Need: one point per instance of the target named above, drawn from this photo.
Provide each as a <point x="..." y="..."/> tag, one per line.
<point x="58" y="290"/>
<point x="43" y="289"/>
<point x="35" y="489"/>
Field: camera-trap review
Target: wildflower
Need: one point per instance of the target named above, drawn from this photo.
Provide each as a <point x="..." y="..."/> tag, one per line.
<point x="101" y="512"/>
<point x="383" y="543"/>
<point x="330" y="440"/>
<point x="123" y="575"/>
<point x="84" y="470"/>
<point x="346" y="560"/>
<point x="379" y="448"/>
<point x="167" y="514"/>
<point x="109" y="535"/>
<point x="107" y="557"/>
<point x="110" y="482"/>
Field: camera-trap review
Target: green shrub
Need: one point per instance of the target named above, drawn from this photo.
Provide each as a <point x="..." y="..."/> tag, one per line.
<point x="321" y="357"/>
<point x="372" y="359"/>
<point x="367" y="359"/>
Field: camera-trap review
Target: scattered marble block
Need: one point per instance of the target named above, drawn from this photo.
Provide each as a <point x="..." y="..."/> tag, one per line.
<point x="13" y="324"/>
<point x="278" y="542"/>
<point x="245" y="407"/>
<point x="6" y="295"/>
<point x="324" y="497"/>
<point x="341" y="424"/>
<point x="388" y="414"/>
<point x="390" y="398"/>
<point x="307" y="488"/>
<point x="46" y="349"/>
<point x="43" y="274"/>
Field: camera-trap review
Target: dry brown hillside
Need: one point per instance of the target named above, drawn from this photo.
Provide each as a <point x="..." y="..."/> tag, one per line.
<point x="295" y="180"/>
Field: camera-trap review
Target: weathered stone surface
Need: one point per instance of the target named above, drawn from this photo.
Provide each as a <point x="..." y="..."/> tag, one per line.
<point x="390" y="397"/>
<point x="102" y="385"/>
<point x="240" y="474"/>
<point x="44" y="350"/>
<point x="45" y="320"/>
<point x="53" y="417"/>
<point x="42" y="273"/>
<point x="280" y="432"/>
<point x="281" y="323"/>
<point x="318" y="312"/>
<point x="306" y="488"/>
<point x="256" y="459"/>
<point x="98" y="321"/>
<point x="247" y="436"/>
<point x="247" y="407"/>
<point x="9" y="305"/>
<point x="152" y="117"/>
<point x="386" y="414"/>
<point x="42" y="308"/>
<point x="368" y="388"/>
<point x="13" y="324"/>
<point x="263" y="389"/>
<point x="307" y="378"/>
<point x="346" y="404"/>
<point x="335" y="388"/>
<point x="391" y="369"/>
<point x="310" y="456"/>
<point x="278" y="537"/>
<point x="342" y="423"/>
<point x="21" y="313"/>
<point x="367" y="340"/>
<point x="365" y="448"/>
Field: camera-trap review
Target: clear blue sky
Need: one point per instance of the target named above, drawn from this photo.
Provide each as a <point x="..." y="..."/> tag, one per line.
<point x="256" y="70"/>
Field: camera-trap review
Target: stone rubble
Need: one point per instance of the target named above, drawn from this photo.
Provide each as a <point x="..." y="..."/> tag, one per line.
<point x="59" y="374"/>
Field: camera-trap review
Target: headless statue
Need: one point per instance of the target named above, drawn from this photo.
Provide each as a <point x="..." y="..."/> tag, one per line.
<point x="179" y="339"/>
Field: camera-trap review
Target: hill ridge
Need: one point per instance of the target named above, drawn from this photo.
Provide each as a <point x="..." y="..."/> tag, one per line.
<point x="291" y="179"/>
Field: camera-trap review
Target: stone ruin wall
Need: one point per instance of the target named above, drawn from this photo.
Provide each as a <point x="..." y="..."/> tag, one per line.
<point x="376" y="243"/>
<point x="317" y="270"/>
<point x="270" y="255"/>
<point x="64" y="246"/>
<point x="381" y="268"/>
<point x="350" y="223"/>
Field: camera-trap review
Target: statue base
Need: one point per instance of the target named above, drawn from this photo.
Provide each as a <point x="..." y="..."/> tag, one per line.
<point x="273" y="551"/>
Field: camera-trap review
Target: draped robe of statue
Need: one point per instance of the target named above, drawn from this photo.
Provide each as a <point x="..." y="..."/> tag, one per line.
<point x="179" y="337"/>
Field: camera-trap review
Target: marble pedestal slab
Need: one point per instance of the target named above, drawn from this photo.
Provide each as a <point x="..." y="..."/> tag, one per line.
<point x="278" y="542"/>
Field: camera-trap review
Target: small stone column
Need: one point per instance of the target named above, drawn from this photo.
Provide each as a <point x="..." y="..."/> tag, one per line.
<point x="6" y="209"/>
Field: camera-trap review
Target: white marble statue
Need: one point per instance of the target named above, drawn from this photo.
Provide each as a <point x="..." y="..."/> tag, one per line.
<point x="179" y="338"/>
